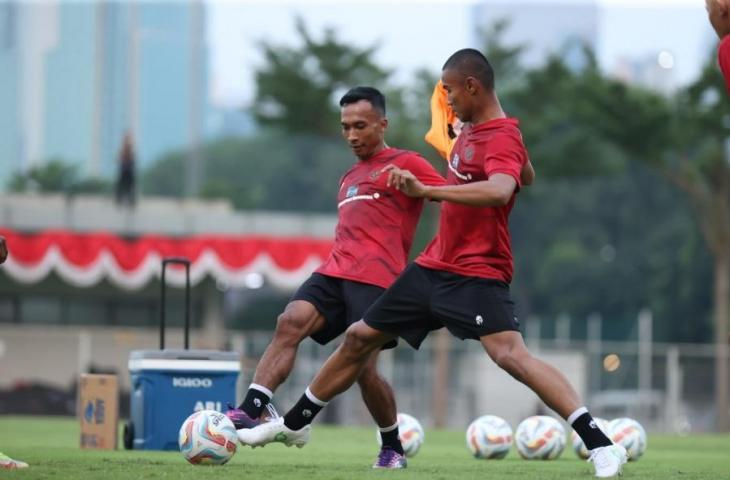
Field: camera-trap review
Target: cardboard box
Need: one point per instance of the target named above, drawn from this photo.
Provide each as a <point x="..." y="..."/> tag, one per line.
<point x="98" y="411"/>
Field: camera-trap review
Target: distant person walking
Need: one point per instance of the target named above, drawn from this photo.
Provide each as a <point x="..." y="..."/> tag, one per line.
<point x="125" y="181"/>
<point x="7" y="463"/>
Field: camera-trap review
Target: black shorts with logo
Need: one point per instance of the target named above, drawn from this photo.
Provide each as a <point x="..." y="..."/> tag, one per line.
<point x="341" y="302"/>
<point x="423" y="299"/>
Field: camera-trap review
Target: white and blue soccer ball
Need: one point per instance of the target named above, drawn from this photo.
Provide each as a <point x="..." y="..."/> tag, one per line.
<point x="540" y="438"/>
<point x="579" y="447"/>
<point x="628" y="433"/>
<point x="207" y="437"/>
<point x="410" y="433"/>
<point x="489" y="437"/>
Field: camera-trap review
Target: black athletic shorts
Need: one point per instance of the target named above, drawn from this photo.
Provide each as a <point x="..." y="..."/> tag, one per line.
<point x="341" y="302"/>
<point x="422" y="299"/>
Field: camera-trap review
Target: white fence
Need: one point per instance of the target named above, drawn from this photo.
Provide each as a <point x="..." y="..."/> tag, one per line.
<point x="668" y="388"/>
<point x="676" y="395"/>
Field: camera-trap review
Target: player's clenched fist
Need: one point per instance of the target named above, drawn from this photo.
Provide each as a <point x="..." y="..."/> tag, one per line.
<point x="405" y="181"/>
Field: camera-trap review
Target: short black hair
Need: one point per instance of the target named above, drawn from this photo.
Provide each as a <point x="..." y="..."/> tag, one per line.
<point x="372" y="95"/>
<point x="472" y="63"/>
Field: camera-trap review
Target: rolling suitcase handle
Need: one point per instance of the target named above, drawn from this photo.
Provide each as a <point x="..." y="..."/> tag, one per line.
<point x="186" y="263"/>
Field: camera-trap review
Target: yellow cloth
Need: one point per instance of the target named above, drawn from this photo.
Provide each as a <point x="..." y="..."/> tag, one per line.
<point x="445" y="126"/>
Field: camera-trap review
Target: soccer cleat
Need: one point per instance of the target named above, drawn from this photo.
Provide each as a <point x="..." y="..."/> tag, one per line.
<point x="274" y="431"/>
<point x="7" y="463"/>
<point x="389" y="458"/>
<point x="608" y="461"/>
<point x="240" y="418"/>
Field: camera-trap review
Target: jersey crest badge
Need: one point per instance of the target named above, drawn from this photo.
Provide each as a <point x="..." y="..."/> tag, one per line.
<point x="351" y="191"/>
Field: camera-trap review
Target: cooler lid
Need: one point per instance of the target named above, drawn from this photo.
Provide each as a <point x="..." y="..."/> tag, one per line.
<point x="178" y="359"/>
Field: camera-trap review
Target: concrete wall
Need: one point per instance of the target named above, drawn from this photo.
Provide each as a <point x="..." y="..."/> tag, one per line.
<point x="56" y="355"/>
<point x="158" y="215"/>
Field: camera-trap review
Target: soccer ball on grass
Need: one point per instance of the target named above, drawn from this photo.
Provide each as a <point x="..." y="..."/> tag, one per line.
<point x="207" y="437"/>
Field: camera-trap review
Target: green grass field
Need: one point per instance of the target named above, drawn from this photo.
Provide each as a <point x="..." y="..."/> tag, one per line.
<point x="49" y="445"/>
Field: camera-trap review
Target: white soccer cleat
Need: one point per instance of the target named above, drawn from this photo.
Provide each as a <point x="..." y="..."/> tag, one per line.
<point x="274" y="431"/>
<point x="7" y="463"/>
<point x="608" y="461"/>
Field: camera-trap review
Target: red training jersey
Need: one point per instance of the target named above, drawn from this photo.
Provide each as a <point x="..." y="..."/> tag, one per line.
<point x="376" y="223"/>
<point x="723" y="57"/>
<point x="475" y="241"/>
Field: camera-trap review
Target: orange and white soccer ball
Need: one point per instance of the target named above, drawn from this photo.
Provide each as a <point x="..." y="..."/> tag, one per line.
<point x="489" y="437"/>
<point x="540" y="438"/>
<point x="579" y="447"/>
<point x="630" y="434"/>
<point x="207" y="437"/>
<point x="410" y="433"/>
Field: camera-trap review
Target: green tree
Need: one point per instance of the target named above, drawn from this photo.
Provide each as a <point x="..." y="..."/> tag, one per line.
<point x="260" y="172"/>
<point x="56" y="176"/>
<point x="690" y="148"/>
<point x="297" y="88"/>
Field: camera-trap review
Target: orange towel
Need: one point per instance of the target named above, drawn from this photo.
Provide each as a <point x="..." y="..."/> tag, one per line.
<point x="445" y="127"/>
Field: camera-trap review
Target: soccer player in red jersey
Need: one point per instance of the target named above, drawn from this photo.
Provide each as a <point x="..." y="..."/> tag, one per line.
<point x="719" y="13"/>
<point x="461" y="281"/>
<point x="374" y="234"/>
<point x="7" y="463"/>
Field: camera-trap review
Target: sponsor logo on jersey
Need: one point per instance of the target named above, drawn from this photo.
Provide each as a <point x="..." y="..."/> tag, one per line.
<point x="351" y="191"/>
<point x="479" y="320"/>
<point x="455" y="161"/>
<point x="469" y="153"/>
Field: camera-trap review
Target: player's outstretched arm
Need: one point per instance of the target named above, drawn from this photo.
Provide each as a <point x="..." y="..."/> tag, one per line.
<point x="495" y="192"/>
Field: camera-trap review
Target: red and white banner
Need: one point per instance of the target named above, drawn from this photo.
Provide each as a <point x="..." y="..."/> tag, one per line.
<point x="85" y="259"/>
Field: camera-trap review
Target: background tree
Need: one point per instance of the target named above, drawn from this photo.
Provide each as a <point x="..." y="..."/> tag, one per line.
<point x="297" y="88"/>
<point x="56" y="176"/>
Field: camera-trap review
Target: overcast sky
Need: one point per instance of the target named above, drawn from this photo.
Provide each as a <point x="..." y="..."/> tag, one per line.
<point x="423" y="33"/>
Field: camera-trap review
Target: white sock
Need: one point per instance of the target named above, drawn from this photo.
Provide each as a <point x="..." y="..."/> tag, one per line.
<point x="574" y="416"/>
<point x="389" y="429"/>
<point x="262" y="389"/>
<point x="314" y="399"/>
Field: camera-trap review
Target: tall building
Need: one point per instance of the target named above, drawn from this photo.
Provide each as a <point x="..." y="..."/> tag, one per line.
<point x="10" y="137"/>
<point x="628" y="39"/>
<point x="82" y="74"/>
<point x="69" y="88"/>
<point x="542" y="29"/>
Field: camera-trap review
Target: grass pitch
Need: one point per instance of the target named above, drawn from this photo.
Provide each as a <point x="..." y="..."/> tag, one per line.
<point x="50" y="446"/>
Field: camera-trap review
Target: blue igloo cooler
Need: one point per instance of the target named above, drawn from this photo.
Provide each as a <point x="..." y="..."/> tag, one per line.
<point x="170" y="384"/>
